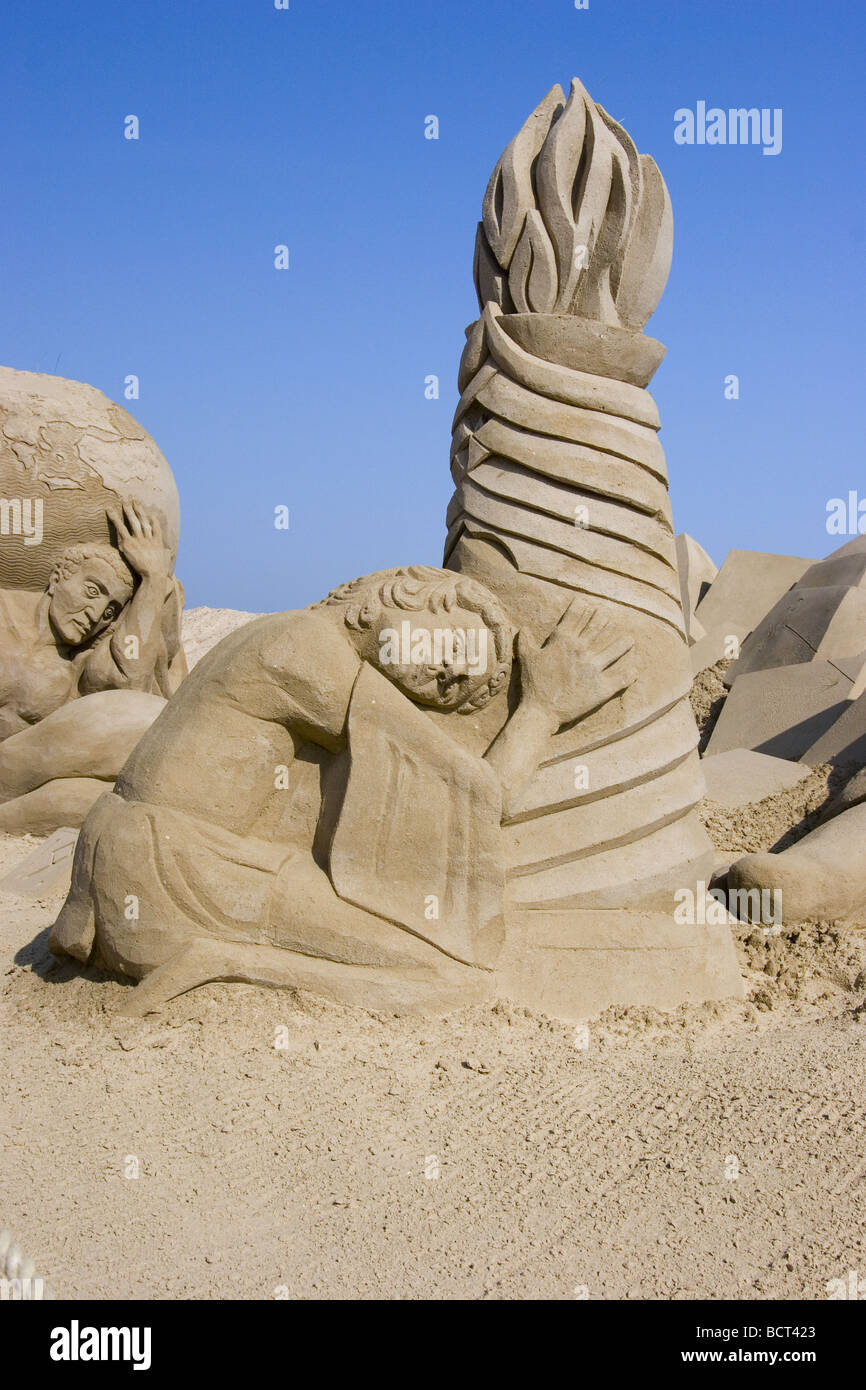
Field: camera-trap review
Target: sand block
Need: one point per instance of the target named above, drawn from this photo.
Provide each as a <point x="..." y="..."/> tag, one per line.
<point x="747" y="586"/>
<point x="852" y="794"/>
<point x="742" y="776"/>
<point x="826" y="621"/>
<point x="574" y="963"/>
<point x="48" y="868"/>
<point x="696" y="630"/>
<point x="716" y="644"/>
<point x="845" y="740"/>
<point x="823" y="615"/>
<point x="785" y="711"/>
<point x="845" y="566"/>
<point x="697" y="572"/>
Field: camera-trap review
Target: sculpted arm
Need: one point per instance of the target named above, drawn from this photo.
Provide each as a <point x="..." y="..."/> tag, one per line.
<point x="128" y="658"/>
<point x="315" y="667"/>
<point x="580" y="667"/>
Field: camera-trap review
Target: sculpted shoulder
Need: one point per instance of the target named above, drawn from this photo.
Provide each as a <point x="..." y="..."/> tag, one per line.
<point x="310" y="656"/>
<point x="297" y="667"/>
<point x="35" y="679"/>
<point x="292" y="641"/>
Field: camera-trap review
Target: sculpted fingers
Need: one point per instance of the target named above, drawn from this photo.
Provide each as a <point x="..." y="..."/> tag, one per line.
<point x="145" y="519"/>
<point x="149" y="521"/>
<point x="596" y="637"/>
<point x="576" y="622"/>
<point x="133" y="523"/>
<point x="615" y="651"/>
<point x="117" y="522"/>
<point x="618" y="673"/>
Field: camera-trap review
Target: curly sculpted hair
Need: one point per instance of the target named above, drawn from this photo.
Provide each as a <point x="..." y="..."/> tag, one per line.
<point x="425" y="589"/>
<point x="75" y="556"/>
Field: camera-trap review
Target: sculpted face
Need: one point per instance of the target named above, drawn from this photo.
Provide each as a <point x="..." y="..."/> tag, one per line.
<point x="441" y="660"/>
<point x="86" y="602"/>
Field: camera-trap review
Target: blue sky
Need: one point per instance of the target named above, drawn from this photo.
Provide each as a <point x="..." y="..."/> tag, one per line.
<point x="305" y="388"/>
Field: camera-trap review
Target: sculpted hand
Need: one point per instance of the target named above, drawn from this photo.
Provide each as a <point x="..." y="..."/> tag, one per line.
<point x="579" y="667"/>
<point x="140" y="539"/>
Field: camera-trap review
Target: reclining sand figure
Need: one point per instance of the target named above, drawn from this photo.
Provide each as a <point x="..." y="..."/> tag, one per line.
<point x="320" y="803"/>
<point x="85" y="667"/>
<point x="821" y="877"/>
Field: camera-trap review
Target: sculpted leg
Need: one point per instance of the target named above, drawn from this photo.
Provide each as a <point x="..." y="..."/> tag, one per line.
<point x="402" y="991"/>
<point x="52" y="772"/>
<point x="74" y="931"/>
<point x="328" y="946"/>
<point x="306" y="915"/>
<point x="821" y="877"/>
<point x="287" y="927"/>
<point x="305" y="938"/>
<point x="62" y="801"/>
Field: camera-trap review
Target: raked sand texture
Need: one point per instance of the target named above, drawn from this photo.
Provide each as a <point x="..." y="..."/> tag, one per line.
<point x="302" y="1167"/>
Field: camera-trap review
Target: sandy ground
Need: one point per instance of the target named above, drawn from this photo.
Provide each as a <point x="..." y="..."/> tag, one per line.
<point x="256" y="1144"/>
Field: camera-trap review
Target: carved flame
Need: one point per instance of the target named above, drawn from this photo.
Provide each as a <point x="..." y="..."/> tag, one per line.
<point x="574" y="220"/>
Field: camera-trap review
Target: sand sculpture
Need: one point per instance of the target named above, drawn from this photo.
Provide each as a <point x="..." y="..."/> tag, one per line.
<point x="89" y="609"/>
<point x="330" y="816"/>
<point x="821" y="877"/>
<point x="797" y="692"/>
<point x="562" y="488"/>
<point x="437" y="784"/>
<point x="822" y="615"/>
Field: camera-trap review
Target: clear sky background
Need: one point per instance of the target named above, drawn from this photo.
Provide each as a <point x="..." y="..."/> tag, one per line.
<point x="306" y="127"/>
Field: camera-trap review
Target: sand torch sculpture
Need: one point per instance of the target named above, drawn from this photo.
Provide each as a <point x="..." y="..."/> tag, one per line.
<point x="561" y="489"/>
